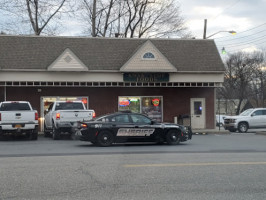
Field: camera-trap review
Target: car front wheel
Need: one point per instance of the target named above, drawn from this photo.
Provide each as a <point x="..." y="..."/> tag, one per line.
<point x="243" y="127"/>
<point x="172" y="137"/>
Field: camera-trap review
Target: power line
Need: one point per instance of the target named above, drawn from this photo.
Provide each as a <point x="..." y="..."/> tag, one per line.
<point x="240" y="49"/>
<point x="237" y="38"/>
<point x="246" y="42"/>
<point x="228" y="7"/>
<point x="243" y="31"/>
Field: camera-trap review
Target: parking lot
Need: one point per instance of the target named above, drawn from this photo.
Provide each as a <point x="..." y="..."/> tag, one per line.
<point x="223" y="142"/>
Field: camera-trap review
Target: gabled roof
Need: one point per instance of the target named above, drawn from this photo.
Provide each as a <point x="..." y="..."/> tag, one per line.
<point x="38" y="52"/>
<point x="67" y="61"/>
<point x="157" y="63"/>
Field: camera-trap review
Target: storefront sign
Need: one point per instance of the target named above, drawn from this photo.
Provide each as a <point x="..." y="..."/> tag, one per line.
<point x="156" y="102"/>
<point x="124" y="102"/>
<point x="146" y="77"/>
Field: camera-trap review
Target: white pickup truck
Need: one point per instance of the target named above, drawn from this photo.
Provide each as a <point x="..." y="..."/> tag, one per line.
<point x="62" y="117"/>
<point x="18" y="117"/>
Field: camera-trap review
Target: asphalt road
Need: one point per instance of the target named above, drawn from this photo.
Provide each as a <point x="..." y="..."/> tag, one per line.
<point x="208" y="167"/>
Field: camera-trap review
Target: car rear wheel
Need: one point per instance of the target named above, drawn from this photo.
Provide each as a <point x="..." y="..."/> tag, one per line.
<point x="172" y="137"/>
<point x="243" y="127"/>
<point x="105" y="138"/>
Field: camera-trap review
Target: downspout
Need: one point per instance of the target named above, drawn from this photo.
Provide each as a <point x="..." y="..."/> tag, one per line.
<point x="5" y="93"/>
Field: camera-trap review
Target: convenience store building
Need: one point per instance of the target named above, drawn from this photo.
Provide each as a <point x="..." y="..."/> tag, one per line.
<point x="163" y="78"/>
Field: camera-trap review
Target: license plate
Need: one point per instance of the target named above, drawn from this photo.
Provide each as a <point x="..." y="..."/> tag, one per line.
<point x="17" y="126"/>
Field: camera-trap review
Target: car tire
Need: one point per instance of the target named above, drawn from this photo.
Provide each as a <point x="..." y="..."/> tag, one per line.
<point x="242" y="127"/>
<point x="55" y="133"/>
<point x="105" y="138"/>
<point x="172" y="137"/>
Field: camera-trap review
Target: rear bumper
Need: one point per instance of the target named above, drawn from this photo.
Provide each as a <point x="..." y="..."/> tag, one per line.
<point x="14" y="128"/>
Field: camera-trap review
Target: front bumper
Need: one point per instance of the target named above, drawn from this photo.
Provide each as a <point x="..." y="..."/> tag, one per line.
<point x="228" y="126"/>
<point x="186" y="134"/>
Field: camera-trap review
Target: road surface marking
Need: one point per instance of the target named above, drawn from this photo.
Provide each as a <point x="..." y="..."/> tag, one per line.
<point x="194" y="164"/>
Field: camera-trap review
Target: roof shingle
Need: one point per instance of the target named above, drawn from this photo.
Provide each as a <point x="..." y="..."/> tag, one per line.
<point x="37" y="52"/>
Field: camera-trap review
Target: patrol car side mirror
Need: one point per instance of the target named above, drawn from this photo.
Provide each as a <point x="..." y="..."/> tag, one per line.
<point x="153" y="122"/>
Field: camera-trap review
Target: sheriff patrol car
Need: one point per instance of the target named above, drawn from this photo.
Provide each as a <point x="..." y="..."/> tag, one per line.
<point x="131" y="127"/>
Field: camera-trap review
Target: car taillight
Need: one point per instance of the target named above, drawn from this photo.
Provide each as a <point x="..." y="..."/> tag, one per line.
<point x="57" y="115"/>
<point x="93" y="114"/>
<point x="36" y="116"/>
<point x="84" y="125"/>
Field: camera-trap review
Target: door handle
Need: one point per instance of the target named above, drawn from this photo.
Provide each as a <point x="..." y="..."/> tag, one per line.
<point x="136" y="126"/>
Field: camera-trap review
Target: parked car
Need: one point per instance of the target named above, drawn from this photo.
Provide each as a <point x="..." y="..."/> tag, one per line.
<point x="131" y="127"/>
<point x="18" y="117"/>
<point x="62" y="117"/>
<point x="220" y="120"/>
<point x="251" y="118"/>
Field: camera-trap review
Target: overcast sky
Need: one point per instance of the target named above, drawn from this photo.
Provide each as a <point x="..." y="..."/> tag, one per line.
<point x="246" y="17"/>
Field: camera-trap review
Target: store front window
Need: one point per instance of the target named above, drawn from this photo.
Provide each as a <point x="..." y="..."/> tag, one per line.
<point x="148" y="105"/>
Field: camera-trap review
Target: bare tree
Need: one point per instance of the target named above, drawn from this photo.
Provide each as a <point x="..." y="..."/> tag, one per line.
<point x="98" y="16"/>
<point x="132" y="18"/>
<point x="240" y="77"/>
<point x="36" y="15"/>
<point x="152" y="18"/>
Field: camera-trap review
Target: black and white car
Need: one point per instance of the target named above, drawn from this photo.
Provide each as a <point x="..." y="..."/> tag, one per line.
<point x="131" y="127"/>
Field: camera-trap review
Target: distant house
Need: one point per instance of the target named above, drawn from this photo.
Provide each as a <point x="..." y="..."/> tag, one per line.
<point x="163" y="78"/>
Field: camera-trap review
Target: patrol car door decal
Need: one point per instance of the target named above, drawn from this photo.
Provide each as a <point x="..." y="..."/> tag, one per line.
<point x="134" y="132"/>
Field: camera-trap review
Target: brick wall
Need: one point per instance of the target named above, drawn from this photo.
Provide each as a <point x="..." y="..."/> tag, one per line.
<point x="176" y="101"/>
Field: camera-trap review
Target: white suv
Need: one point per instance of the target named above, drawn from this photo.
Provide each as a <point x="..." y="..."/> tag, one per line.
<point x="251" y="118"/>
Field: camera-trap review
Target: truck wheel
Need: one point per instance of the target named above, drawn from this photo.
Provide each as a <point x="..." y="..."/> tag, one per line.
<point x="34" y="134"/>
<point x="46" y="132"/>
<point x="172" y="137"/>
<point x="105" y="138"/>
<point x="55" y="133"/>
<point x="243" y="127"/>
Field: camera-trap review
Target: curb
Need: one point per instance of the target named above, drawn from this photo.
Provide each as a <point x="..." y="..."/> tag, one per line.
<point x="260" y="133"/>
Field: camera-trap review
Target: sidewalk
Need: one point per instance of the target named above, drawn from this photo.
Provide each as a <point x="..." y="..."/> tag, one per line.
<point x="210" y="131"/>
<point x="223" y="131"/>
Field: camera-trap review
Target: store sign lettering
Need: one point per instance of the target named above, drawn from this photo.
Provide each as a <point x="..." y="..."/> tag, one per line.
<point x="146" y="77"/>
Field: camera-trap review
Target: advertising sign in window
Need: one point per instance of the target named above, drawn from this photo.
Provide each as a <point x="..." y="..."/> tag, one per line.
<point x="148" y="105"/>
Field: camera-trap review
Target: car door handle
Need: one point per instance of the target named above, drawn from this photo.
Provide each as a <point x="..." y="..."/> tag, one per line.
<point x="113" y="125"/>
<point x="136" y="126"/>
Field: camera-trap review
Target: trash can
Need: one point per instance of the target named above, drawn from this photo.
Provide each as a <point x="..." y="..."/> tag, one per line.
<point x="184" y="120"/>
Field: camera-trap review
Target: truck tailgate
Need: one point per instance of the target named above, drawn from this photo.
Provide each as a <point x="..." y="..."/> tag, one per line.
<point x="76" y="115"/>
<point x="17" y="116"/>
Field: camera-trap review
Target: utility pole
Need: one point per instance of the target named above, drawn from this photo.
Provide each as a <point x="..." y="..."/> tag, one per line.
<point x="205" y="29"/>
